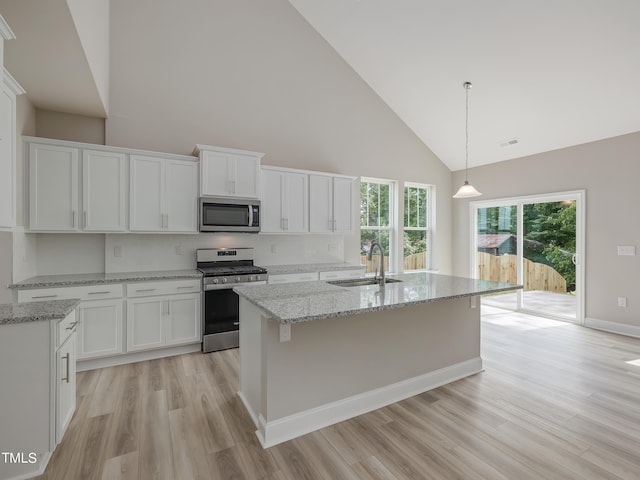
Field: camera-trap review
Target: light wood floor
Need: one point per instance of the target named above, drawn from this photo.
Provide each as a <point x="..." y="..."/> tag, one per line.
<point x="555" y="401"/>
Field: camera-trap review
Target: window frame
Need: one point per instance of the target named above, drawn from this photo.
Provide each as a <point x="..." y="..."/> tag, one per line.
<point x="392" y="217"/>
<point x="396" y="226"/>
<point x="429" y="223"/>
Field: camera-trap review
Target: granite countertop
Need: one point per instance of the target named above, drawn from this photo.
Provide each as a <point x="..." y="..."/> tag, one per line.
<point x="311" y="267"/>
<point x="12" y="313"/>
<point x="101" y="278"/>
<point x="300" y="302"/>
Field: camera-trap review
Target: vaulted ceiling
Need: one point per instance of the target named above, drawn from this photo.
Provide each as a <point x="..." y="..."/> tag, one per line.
<point x="546" y="75"/>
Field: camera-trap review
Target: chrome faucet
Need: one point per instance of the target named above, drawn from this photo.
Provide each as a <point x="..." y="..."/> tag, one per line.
<point x="373" y="244"/>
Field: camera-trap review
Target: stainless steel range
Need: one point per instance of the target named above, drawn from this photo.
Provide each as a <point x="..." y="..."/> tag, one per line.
<point x="223" y="269"/>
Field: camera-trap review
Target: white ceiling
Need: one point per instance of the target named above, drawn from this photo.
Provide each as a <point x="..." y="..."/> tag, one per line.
<point x="549" y="73"/>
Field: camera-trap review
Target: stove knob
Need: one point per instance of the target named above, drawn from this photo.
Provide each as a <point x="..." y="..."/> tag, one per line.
<point x="224" y="279"/>
<point x="215" y="280"/>
<point x="238" y="279"/>
<point x="252" y="278"/>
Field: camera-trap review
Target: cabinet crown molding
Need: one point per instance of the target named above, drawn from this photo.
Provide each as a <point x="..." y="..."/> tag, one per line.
<point x="12" y="83"/>
<point x="5" y="30"/>
<point x="199" y="148"/>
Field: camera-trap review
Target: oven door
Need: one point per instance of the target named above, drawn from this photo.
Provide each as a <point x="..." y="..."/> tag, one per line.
<point x="221" y="316"/>
<point x="229" y="215"/>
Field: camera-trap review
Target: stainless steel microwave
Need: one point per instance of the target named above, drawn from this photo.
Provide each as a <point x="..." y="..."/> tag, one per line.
<point x="224" y="214"/>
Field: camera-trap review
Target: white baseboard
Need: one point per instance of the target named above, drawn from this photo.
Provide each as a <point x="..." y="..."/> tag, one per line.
<point x="94" y="363"/>
<point x="292" y="426"/>
<point x="613" y="327"/>
<point x="252" y="414"/>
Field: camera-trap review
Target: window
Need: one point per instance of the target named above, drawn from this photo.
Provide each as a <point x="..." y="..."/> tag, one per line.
<point x="376" y="221"/>
<point x="416" y="226"/>
<point x="400" y="219"/>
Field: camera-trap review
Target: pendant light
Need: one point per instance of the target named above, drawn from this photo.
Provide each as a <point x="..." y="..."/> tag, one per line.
<point x="466" y="190"/>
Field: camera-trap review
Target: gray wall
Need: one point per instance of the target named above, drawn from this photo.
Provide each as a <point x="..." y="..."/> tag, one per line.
<point x="255" y="75"/>
<point x="608" y="171"/>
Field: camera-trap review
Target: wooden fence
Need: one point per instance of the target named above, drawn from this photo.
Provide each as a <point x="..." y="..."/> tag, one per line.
<point x="503" y="268"/>
<point x="416" y="261"/>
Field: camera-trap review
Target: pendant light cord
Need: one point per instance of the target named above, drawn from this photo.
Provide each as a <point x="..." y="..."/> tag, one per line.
<point x="467" y="86"/>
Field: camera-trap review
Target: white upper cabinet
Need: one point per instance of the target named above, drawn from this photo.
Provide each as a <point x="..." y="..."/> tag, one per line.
<point x="163" y="195"/>
<point x="330" y="204"/>
<point x="8" y="150"/>
<point x="285" y="201"/>
<point x="73" y="188"/>
<point x="229" y="172"/>
<point x="181" y="196"/>
<point x="103" y="191"/>
<point x="53" y="188"/>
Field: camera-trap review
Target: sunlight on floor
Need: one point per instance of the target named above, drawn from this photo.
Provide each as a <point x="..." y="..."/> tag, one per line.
<point x="634" y="362"/>
<point x="517" y="320"/>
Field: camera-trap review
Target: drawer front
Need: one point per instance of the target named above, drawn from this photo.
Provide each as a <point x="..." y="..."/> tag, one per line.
<point x="293" y="277"/>
<point x="66" y="328"/>
<point x="147" y="289"/>
<point x="85" y="292"/>
<point x="342" y="274"/>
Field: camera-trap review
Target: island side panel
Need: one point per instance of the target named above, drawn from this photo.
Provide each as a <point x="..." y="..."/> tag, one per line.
<point x="251" y="358"/>
<point x="328" y="360"/>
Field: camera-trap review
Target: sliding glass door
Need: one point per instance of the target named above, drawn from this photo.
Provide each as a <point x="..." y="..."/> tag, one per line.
<point x="535" y="241"/>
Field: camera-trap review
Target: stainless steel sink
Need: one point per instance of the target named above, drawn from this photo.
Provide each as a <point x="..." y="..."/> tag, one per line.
<point x="361" y="282"/>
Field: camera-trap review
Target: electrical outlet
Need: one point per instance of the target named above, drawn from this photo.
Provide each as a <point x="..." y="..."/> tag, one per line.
<point x="622" y="301"/>
<point x="629" y="250"/>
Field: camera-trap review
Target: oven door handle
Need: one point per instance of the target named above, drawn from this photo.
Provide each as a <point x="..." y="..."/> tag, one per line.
<point x="250" y="216"/>
<point x="228" y="286"/>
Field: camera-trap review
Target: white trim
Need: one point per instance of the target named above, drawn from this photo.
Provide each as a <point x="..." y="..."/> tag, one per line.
<point x="12" y="83"/>
<point x="199" y="148"/>
<point x="292" y="426"/>
<point x="5" y="30"/>
<point x="255" y="418"/>
<point x="613" y="327"/>
<point x="94" y="363"/>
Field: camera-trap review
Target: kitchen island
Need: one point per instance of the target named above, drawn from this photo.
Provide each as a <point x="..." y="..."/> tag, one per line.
<point x="313" y="354"/>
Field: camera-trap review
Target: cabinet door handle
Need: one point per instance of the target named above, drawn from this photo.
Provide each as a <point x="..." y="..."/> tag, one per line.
<point x="68" y="359"/>
<point x="286" y="224"/>
<point x="84" y="221"/>
<point x="168" y="307"/>
<point x="73" y="218"/>
<point x="44" y="296"/>
<point x="98" y="293"/>
<point x="233" y="186"/>
<point x="236" y="323"/>
<point x="72" y="326"/>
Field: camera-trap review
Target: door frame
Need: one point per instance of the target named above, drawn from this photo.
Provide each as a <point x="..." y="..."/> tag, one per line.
<point x="580" y="198"/>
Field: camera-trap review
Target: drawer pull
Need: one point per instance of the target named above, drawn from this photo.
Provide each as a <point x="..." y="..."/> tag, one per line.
<point x="44" y="296"/>
<point x="184" y="288"/>
<point x="99" y="293"/>
<point x="146" y="290"/>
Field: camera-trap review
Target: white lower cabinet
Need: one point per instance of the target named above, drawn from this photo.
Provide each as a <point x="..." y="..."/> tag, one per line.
<point x="100" y="329"/>
<point x="99" y="315"/>
<point x="165" y="317"/>
<point x="145" y="323"/>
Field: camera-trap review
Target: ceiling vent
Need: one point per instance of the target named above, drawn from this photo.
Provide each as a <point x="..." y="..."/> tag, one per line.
<point x="508" y="143"/>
